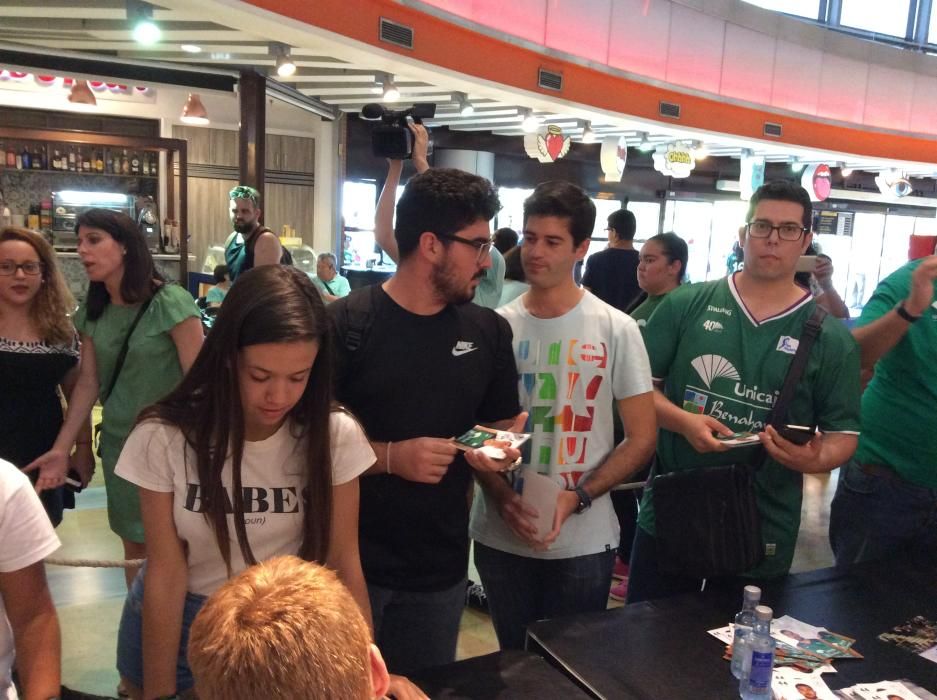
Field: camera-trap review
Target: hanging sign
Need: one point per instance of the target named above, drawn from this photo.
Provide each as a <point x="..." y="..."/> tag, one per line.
<point x="894" y="183"/>
<point x="548" y="146"/>
<point x="751" y="176"/>
<point x="675" y="161"/>
<point x="613" y="157"/>
<point x="817" y="180"/>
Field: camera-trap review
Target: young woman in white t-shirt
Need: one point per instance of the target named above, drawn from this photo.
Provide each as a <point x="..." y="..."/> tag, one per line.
<point x="246" y="459"/>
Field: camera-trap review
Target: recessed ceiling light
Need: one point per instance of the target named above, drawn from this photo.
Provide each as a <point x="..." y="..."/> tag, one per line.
<point x="191" y="48"/>
<point x="391" y="93"/>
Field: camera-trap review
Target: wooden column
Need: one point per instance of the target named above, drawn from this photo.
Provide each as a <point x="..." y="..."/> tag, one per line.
<point x="252" y="95"/>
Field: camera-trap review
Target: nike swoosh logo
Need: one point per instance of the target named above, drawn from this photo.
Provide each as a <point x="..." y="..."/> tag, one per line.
<point x="462" y="351"/>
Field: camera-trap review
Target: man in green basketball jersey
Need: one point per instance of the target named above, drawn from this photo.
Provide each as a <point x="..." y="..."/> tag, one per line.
<point x="719" y="353"/>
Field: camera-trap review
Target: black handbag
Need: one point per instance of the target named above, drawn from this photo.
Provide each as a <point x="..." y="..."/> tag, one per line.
<point x="707" y="519"/>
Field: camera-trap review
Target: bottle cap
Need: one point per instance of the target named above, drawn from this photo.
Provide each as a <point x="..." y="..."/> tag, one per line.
<point x="763" y="612"/>
<point x="752" y="593"/>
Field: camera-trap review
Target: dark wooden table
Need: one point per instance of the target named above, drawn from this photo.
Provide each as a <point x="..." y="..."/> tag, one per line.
<point x="507" y="675"/>
<point x="659" y="650"/>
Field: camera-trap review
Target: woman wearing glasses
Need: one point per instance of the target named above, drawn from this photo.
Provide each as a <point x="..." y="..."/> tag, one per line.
<point x="39" y="353"/>
<point x="139" y="336"/>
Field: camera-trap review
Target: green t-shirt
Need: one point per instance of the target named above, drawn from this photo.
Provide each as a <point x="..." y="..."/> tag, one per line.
<point x="151" y="366"/>
<point x="642" y="313"/>
<point x="716" y="359"/>
<point x="899" y="407"/>
<point x="337" y="286"/>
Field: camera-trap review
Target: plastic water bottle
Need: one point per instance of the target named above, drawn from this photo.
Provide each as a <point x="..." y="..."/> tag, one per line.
<point x="744" y="622"/>
<point x="756" y="683"/>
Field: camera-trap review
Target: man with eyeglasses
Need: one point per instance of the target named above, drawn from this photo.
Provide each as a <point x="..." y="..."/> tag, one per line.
<point x="719" y="354"/>
<point x="419" y="366"/>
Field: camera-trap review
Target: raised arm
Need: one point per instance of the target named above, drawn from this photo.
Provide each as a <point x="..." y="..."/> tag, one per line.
<point x="881" y="335"/>
<point x="384" y="215"/>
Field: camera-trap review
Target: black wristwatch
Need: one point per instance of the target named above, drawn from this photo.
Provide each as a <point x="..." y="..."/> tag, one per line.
<point x="585" y="500"/>
<point x="905" y="314"/>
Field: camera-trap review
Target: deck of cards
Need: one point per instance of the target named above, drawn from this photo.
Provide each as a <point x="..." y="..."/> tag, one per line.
<point x="490" y="441"/>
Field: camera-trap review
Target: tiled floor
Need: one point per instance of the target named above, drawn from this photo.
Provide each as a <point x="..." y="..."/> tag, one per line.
<point x="89" y="600"/>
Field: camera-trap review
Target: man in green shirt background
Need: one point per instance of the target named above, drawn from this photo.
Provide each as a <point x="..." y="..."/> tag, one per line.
<point x="330" y="284"/>
<point x="886" y="499"/>
<point x="719" y="354"/>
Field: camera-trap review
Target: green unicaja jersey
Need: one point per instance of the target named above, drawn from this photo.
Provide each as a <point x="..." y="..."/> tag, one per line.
<point x="644" y="310"/>
<point x="715" y="359"/>
<point x="898" y="407"/>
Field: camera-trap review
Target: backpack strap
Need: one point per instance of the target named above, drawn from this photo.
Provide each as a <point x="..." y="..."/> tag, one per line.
<point x="798" y="365"/>
<point x="360" y="315"/>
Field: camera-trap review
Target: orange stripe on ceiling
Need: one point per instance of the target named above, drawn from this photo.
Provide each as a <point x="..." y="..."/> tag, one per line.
<point x="458" y="48"/>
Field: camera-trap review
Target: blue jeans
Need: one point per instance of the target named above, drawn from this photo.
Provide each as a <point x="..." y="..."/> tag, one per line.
<point x="874" y="516"/>
<point x="130" y="636"/>
<point x="522" y="590"/>
<point x="416" y="629"/>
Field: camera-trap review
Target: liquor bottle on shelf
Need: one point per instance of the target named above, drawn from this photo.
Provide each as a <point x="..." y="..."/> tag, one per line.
<point x="26" y="159"/>
<point x="113" y="166"/>
<point x="125" y="164"/>
<point x="135" y="164"/>
<point x="11" y="156"/>
<point x="86" y="158"/>
<point x="145" y="163"/>
<point x="71" y="159"/>
<point x="37" y="159"/>
<point x="154" y="165"/>
<point x="55" y="159"/>
<point x="99" y="162"/>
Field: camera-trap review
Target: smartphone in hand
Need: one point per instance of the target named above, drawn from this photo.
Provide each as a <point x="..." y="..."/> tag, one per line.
<point x="798" y="434"/>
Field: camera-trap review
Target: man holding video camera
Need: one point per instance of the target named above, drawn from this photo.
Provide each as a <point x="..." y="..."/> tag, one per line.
<point x="886" y="497"/>
<point x="720" y="352"/>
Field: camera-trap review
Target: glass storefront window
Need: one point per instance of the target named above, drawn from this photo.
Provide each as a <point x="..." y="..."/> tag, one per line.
<point x="512" y="207"/>
<point x="898" y="230"/>
<point x="878" y="17"/>
<point x="647" y="217"/>
<point x="801" y="8"/>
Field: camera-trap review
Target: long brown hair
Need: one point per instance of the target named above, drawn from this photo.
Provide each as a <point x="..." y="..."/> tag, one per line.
<point x="53" y="302"/>
<point x="269" y="304"/>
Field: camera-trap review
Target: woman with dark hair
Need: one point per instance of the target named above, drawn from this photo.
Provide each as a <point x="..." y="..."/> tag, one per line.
<point x="247" y="459"/>
<point x="139" y="335"/>
<point x="39" y="354"/>
<point x="661" y="269"/>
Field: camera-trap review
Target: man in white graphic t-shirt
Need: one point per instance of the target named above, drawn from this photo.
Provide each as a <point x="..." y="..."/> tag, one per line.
<point x="576" y="357"/>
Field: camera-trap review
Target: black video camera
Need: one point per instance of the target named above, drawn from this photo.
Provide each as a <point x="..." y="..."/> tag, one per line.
<point x="392" y="137"/>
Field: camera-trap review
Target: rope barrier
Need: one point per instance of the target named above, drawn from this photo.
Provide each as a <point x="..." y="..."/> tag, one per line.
<point x="97" y="563"/>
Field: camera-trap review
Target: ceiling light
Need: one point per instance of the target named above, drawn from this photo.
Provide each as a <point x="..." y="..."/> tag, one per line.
<point x="81" y="94"/>
<point x="644" y="144"/>
<point x="140" y="17"/>
<point x="284" y="64"/>
<point x="699" y="150"/>
<point x="194" y="112"/>
<point x="530" y="123"/>
<point x="190" y="48"/>
<point x="845" y="172"/>
<point x="466" y="108"/>
<point x="389" y="90"/>
<point x="588" y="135"/>
<point x="798" y="165"/>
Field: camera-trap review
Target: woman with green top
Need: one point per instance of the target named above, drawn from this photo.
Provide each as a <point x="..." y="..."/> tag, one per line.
<point x="661" y="269"/>
<point x="139" y="335"/>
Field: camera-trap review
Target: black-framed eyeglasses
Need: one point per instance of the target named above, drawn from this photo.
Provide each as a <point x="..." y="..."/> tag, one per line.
<point x="786" y="232"/>
<point x="483" y="247"/>
<point x="8" y="268"/>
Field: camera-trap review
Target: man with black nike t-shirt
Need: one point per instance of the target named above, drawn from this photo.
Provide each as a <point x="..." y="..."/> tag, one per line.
<point x="419" y="365"/>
